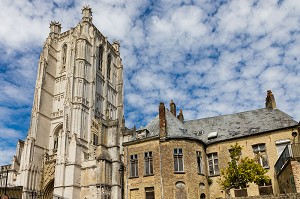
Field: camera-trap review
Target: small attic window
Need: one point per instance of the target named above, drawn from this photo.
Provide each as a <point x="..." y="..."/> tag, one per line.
<point x="198" y="133"/>
<point x="212" y="135"/>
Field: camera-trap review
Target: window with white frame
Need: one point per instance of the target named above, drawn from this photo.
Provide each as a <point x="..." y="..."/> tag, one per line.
<point x="148" y="163"/>
<point x="199" y="162"/>
<point x="134" y="165"/>
<point x="259" y="151"/>
<point x="213" y="164"/>
<point x="178" y="160"/>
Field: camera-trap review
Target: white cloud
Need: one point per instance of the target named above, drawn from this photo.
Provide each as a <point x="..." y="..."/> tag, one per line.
<point x="210" y="57"/>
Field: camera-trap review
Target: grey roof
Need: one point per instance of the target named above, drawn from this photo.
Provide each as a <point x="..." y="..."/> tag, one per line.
<point x="227" y="126"/>
<point x="175" y="128"/>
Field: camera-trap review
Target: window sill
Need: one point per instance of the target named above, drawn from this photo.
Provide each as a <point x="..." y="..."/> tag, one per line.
<point x="179" y="172"/>
<point x="149" y="175"/>
<point x="214" y="175"/>
<point x="201" y="174"/>
<point x="133" y="177"/>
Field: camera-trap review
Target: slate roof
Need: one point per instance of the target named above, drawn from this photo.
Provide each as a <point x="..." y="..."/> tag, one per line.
<point x="227" y="126"/>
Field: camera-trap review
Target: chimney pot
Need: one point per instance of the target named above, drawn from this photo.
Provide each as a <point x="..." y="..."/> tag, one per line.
<point x="270" y="100"/>
<point x="180" y="116"/>
<point x="173" y="108"/>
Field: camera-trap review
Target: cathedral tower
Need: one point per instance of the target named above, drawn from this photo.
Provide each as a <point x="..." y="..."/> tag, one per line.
<point x="73" y="145"/>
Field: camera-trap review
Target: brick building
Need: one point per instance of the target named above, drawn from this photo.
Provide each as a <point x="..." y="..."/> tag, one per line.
<point x="173" y="158"/>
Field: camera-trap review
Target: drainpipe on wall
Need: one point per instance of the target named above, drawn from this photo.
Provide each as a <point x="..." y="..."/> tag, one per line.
<point x="161" y="178"/>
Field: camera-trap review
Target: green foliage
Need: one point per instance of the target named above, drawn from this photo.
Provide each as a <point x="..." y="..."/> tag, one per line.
<point x="241" y="171"/>
<point x="209" y="181"/>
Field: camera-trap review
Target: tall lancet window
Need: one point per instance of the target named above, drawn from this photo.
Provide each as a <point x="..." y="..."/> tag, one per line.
<point x="108" y="66"/>
<point x="64" y="55"/>
<point x="100" y="58"/>
<point x="55" y="138"/>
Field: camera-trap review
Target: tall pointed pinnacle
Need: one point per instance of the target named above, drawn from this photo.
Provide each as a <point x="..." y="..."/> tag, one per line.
<point x="55" y="27"/>
<point x="270" y="100"/>
<point x="87" y="13"/>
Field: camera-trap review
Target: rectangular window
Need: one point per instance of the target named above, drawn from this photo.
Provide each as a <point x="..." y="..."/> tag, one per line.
<point x="178" y="160"/>
<point x="260" y="152"/>
<point x="134" y="166"/>
<point x="213" y="164"/>
<point x="148" y="163"/>
<point x="199" y="162"/>
<point x="95" y="139"/>
<point x="149" y="192"/>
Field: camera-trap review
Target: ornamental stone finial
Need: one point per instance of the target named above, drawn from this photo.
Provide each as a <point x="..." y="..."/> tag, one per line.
<point x="55" y="27"/>
<point x="86" y="13"/>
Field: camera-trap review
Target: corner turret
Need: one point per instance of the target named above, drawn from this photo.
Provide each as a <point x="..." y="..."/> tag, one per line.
<point x="86" y="13"/>
<point x="55" y="27"/>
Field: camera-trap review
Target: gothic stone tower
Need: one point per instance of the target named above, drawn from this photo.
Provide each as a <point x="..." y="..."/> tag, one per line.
<point x="73" y="145"/>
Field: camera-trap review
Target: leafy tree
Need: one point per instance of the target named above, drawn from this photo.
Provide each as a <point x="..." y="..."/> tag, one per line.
<point x="241" y="171"/>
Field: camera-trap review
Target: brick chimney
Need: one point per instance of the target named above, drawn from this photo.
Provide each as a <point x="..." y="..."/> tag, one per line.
<point x="162" y="121"/>
<point x="180" y="116"/>
<point x="270" y="100"/>
<point x="173" y="108"/>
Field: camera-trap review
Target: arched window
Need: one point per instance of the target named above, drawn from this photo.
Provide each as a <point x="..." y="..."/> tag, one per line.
<point x="55" y="142"/>
<point x="202" y="196"/>
<point x="64" y="55"/>
<point x="100" y="58"/>
<point x="55" y="137"/>
<point x="108" y="66"/>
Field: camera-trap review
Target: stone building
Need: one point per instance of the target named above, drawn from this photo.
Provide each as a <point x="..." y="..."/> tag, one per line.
<point x="78" y="147"/>
<point x="72" y="149"/>
<point x="173" y="158"/>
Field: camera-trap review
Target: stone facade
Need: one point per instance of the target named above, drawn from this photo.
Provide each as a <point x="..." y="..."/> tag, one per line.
<point x="164" y="178"/>
<point x="201" y="149"/>
<point x="72" y="149"/>
<point x="78" y="147"/>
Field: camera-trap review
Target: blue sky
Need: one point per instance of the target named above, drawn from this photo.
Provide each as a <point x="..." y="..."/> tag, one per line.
<point x="211" y="57"/>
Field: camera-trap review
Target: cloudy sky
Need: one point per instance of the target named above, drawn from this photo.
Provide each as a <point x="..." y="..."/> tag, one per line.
<point x="211" y="57"/>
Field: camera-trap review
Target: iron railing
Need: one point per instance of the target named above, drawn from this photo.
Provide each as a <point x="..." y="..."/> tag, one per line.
<point x="291" y="151"/>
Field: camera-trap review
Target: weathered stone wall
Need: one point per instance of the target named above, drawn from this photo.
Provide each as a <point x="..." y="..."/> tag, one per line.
<point x="286" y="180"/>
<point x="135" y="187"/>
<point x="296" y="173"/>
<point x="164" y="179"/>
<point x="268" y="139"/>
<point x="281" y="196"/>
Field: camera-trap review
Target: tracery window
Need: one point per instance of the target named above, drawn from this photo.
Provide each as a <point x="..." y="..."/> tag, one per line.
<point x="108" y="66"/>
<point x="64" y="55"/>
<point x="100" y="58"/>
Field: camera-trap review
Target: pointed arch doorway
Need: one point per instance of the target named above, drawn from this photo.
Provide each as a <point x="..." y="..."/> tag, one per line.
<point x="48" y="191"/>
